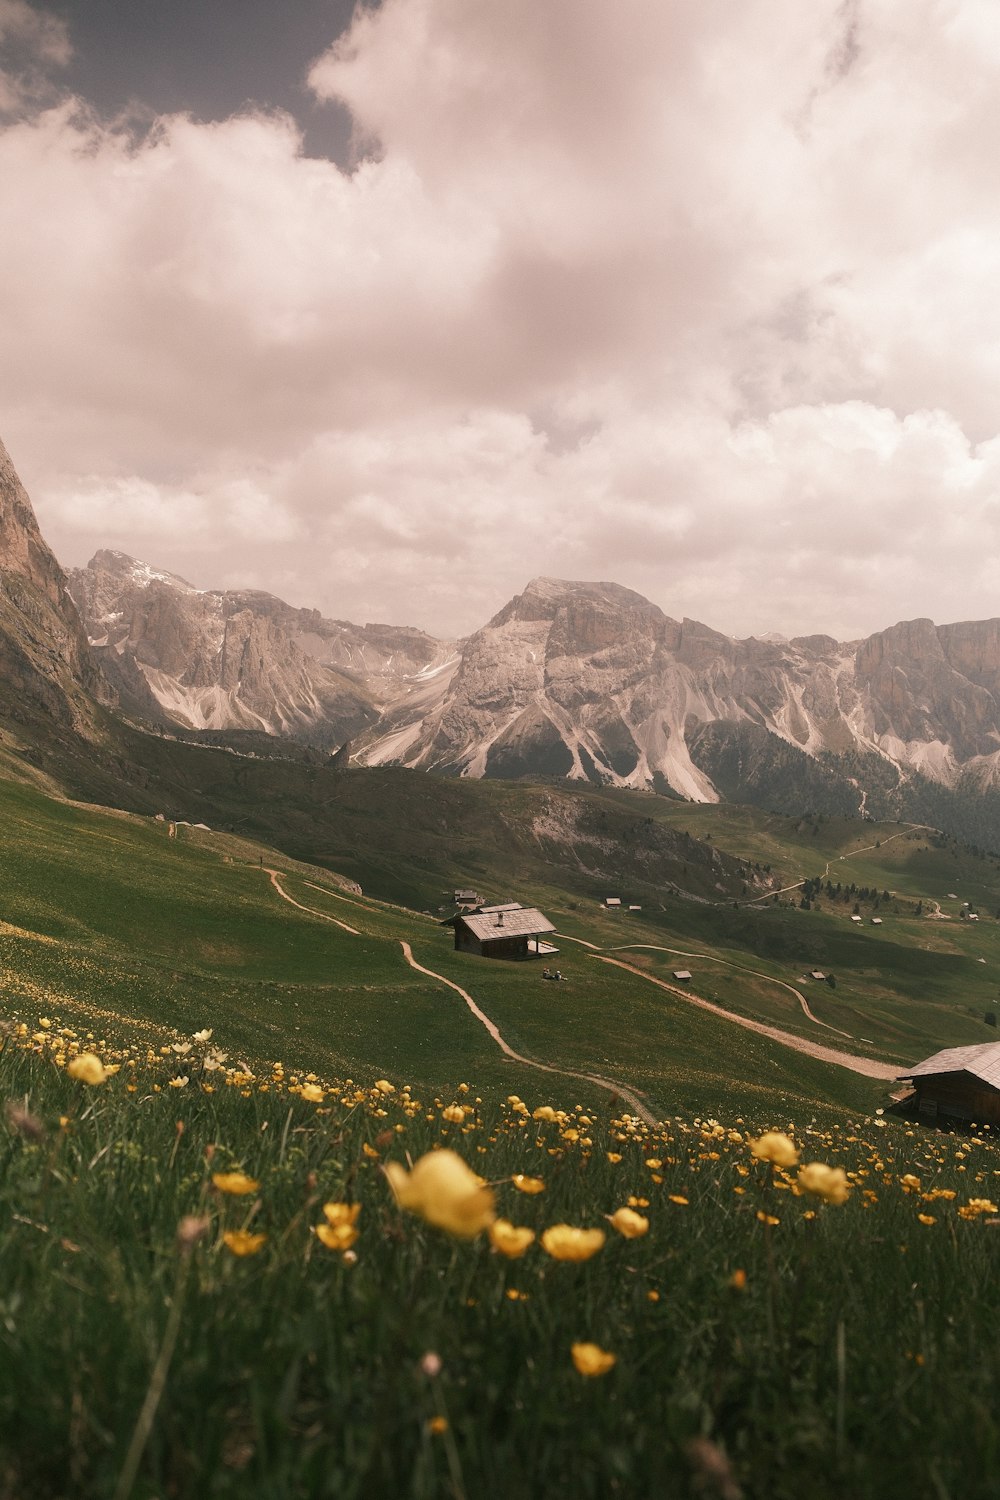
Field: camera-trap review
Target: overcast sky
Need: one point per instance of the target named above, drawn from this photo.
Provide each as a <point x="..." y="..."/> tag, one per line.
<point x="389" y="312"/>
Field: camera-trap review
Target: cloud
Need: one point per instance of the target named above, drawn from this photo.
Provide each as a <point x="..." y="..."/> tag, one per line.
<point x="33" y="43"/>
<point x="697" y="297"/>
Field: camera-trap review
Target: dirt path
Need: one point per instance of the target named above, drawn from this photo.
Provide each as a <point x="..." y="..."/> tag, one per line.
<point x="274" y="874"/>
<point x="869" y="1067"/>
<point x="865" y="849"/>
<point x="742" y="969"/>
<point x="529" y="1062"/>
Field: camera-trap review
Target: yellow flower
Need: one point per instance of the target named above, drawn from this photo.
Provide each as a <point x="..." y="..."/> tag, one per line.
<point x="564" y="1242"/>
<point x="341" y="1213"/>
<point x="87" y="1067"/>
<point x="767" y="1218"/>
<point x="591" y="1359"/>
<point x="384" y="1086"/>
<point x="738" y="1280"/>
<point x="437" y="1425"/>
<point x="678" y="1198"/>
<point x="339" y="1236"/>
<point x="241" y="1242"/>
<point x="236" y="1183"/>
<point x="454" y="1113"/>
<point x="510" y="1239"/>
<point x="775" y="1147"/>
<point x="926" y="1218"/>
<point x="312" y="1093"/>
<point x="653" y="1163"/>
<point x="180" y="1083"/>
<point x="446" y="1192"/>
<point x="910" y="1183"/>
<point x="828" y="1183"/>
<point x="628" y="1223"/>
<point x="544" y="1112"/>
<point x="528" y="1184"/>
<point x="614" y="1157"/>
<point x="202" y="1036"/>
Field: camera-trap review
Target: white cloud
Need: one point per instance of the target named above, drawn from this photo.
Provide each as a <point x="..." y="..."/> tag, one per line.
<point x="697" y="297"/>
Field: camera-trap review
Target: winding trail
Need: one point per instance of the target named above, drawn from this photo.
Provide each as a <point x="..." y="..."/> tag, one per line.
<point x="529" y="1062"/>
<point x="839" y="858"/>
<point x="867" y="1066"/>
<point x="275" y="881"/>
<point x="741" y="969"/>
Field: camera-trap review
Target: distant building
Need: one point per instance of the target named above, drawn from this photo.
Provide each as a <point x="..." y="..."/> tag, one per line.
<point x="613" y="902"/>
<point x="683" y="976"/>
<point x="960" y="1083"/>
<point x="467" y="898"/>
<point x="876" y="921"/>
<point x="815" y="974"/>
<point x="635" y="908"/>
<point x="509" y="931"/>
<point x="855" y="918"/>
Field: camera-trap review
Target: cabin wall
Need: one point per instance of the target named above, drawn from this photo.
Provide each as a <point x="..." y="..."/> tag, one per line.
<point x="957" y="1097"/>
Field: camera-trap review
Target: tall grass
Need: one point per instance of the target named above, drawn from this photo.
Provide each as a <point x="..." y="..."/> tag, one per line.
<point x="842" y="1350"/>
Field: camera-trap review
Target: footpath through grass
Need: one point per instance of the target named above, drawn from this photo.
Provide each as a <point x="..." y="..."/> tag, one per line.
<point x="171" y="1323"/>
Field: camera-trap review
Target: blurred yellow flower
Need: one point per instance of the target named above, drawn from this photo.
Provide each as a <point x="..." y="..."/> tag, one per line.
<point x="341" y="1213"/>
<point x="614" y="1157"/>
<point x="528" y="1184"/>
<point x="241" y="1242"/>
<point x="767" y="1218"/>
<point x="87" y="1068"/>
<point x="628" y="1223"/>
<point x="454" y="1113"/>
<point x="678" y="1198"/>
<point x="510" y="1239"/>
<point x="446" y="1192"/>
<point x="775" y="1147"/>
<point x="926" y="1218"/>
<point x="384" y="1086"/>
<point x="437" y="1425"/>
<point x="336" y="1236"/>
<point x="591" y="1359"/>
<point x="312" y="1093"/>
<point x="544" y="1112"/>
<point x="738" y="1280"/>
<point x="236" y="1183"/>
<point x="828" y="1183"/>
<point x="564" y="1242"/>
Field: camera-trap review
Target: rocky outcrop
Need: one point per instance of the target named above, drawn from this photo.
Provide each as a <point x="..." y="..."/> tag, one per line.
<point x="45" y="665"/>
<point x="241" y="659"/>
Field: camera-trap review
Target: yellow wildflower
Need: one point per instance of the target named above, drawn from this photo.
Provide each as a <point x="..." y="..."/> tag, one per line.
<point x="591" y="1359"/>
<point x="341" y="1213"/>
<point x="528" y="1184"/>
<point x="437" y="1425"/>
<point x="235" y="1183"/>
<point x="384" y="1086"/>
<point x="614" y="1157"/>
<point x="241" y="1242"/>
<point x="87" y="1068"/>
<point x="678" y="1198"/>
<point x="828" y="1183"/>
<point x="445" y="1191"/>
<point x="629" y="1224"/>
<point x="926" y="1218"/>
<point x="767" y="1218"/>
<point x="544" y="1112"/>
<point x="564" y="1242"/>
<point x="510" y="1239"/>
<point x="336" y="1236"/>
<point x="312" y="1093"/>
<point x="775" y="1147"/>
<point x="454" y="1113"/>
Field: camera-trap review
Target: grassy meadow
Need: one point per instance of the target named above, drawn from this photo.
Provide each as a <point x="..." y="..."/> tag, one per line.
<point x="172" y="1324"/>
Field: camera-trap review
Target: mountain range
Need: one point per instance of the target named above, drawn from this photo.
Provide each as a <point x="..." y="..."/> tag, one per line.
<point x="571" y="681"/>
<point x="585" y="681"/>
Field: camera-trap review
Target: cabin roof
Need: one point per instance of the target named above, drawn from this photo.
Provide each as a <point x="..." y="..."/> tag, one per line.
<point x="981" y="1060"/>
<point x="517" y="921"/>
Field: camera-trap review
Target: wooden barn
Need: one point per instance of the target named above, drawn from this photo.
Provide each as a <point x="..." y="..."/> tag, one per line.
<point x="508" y="931"/>
<point x="960" y="1083"/>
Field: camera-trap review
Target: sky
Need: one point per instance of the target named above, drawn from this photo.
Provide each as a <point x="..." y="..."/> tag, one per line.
<point x="389" y="310"/>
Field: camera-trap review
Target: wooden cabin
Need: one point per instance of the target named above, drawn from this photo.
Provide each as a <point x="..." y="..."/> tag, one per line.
<point x="509" y="931"/>
<point x="960" y="1083"/>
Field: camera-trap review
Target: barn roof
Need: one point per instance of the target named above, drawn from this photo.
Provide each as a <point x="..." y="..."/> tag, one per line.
<point x="981" y="1060"/>
<point x="517" y="921"/>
